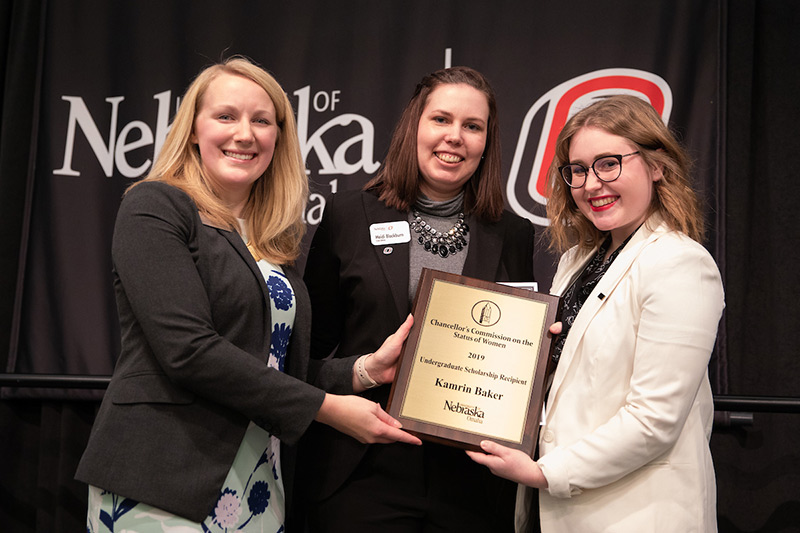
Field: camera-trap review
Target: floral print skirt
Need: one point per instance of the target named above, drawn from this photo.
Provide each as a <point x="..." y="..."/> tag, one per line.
<point x="251" y="500"/>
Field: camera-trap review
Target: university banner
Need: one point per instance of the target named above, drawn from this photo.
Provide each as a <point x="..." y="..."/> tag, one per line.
<point x="112" y="74"/>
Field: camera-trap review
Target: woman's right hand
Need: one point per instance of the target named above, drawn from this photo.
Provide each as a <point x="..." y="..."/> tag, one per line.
<point x="381" y="366"/>
<point x="363" y="420"/>
<point x="556" y="328"/>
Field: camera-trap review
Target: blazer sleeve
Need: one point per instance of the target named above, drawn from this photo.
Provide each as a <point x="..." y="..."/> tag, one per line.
<point x="675" y="309"/>
<point x="157" y="251"/>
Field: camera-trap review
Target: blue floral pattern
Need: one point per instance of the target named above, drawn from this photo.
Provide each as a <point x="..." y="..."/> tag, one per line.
<point x="259" y="497"/>
<point x="252" y="497"/>
<point x="280" y="343"/>
<point x="280" y="291"/>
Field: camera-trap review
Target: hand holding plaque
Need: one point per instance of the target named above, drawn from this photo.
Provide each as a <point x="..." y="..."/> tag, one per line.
<point x="475" y="362"/>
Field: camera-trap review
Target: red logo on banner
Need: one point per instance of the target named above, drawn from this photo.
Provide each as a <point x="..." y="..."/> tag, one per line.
<point x="559" y="104"/>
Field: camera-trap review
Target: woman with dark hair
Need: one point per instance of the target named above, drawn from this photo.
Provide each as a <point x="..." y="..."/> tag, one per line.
<point x="440" y="181"/>
<point x="624" y="443"/>
<point x="215" y="320"/>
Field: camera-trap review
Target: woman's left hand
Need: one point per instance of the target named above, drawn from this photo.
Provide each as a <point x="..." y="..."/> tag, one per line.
<point x="363" y="420"/>
<point x="509" y="463"/>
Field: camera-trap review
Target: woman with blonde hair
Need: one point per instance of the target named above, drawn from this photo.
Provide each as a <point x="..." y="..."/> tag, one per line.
<point x="624" y="442"/>
<point x="209" y="388"/>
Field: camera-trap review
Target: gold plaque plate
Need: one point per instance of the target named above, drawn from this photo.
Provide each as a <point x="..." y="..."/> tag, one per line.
<point x="475" y="362"/>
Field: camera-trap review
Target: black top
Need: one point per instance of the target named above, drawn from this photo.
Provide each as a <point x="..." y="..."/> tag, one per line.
<point x="581" y="288"/>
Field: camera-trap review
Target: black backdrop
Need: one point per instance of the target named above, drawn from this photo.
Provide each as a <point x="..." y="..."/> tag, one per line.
<point x="118" y="67"/>
<point x="111" y="75"/>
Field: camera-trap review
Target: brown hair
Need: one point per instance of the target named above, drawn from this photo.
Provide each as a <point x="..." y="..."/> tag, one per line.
<point x="397" y="182"/>
<point x="277" y="199"/>
<point x="636" y="120"/>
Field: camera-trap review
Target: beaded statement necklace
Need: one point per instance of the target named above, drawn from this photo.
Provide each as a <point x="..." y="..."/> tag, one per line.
<point x="443" y="244"/>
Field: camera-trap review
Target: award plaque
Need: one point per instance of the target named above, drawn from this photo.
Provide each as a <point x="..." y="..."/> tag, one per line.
<point x="474" y="364"/>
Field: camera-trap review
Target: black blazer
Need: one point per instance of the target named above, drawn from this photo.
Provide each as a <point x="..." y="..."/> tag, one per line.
<point x="195" y="320"/>
<point x="359" y="296"/>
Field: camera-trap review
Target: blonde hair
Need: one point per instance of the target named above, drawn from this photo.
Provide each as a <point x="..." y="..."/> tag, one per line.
<point x="274" y="210"/>
<point x="636" y="120"/>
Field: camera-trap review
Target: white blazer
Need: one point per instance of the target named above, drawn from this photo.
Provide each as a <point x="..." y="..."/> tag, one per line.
<point x="624" y="444"/>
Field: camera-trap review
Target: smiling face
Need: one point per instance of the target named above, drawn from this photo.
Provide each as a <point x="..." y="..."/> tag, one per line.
<point x="235" y="130"/>
<point x="620" y="206"/>
<point x="451" y="137"/>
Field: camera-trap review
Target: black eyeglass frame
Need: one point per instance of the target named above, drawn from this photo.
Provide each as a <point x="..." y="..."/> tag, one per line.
<point x="618" y="157"/>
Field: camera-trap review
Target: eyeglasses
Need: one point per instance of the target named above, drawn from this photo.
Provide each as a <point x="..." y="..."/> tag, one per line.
<point x="606" y="168"/>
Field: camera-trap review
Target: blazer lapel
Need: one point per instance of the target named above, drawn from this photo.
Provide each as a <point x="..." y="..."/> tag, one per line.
<point x="241" y="248"/>
<point x="392" y="258"/>
<point x="483" y="251"/>
<point x="594" y="303"/>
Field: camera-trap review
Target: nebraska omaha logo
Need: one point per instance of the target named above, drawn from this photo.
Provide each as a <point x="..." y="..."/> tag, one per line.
<point x="559" y="104"/>
<point x="470" y="411"/>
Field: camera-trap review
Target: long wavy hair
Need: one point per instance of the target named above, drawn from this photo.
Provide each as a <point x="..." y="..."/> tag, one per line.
<point x="397" y="182"/>
<point x="274" y="209"/>
<point x="636" y="120"/>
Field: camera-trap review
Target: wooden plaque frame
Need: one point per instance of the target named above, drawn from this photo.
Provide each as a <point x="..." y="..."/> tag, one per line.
<point x="445" y="392"/>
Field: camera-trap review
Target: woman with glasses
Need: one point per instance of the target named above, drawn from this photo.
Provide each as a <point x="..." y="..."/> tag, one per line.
<point x="624" y="441"/>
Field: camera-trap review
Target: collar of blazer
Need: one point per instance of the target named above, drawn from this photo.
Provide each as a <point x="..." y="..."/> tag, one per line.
<point x="239" y="245"/>
<point x="482" y="264"/>
<point x="295" y="366"/>
<point x="649" y="232"/>
<point x="484" y="250"/>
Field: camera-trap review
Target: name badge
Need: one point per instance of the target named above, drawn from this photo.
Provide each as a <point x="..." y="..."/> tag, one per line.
<point x="389" y="233"/>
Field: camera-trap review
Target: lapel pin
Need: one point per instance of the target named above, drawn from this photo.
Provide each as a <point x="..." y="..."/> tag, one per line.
<point x="388" y="250"/>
